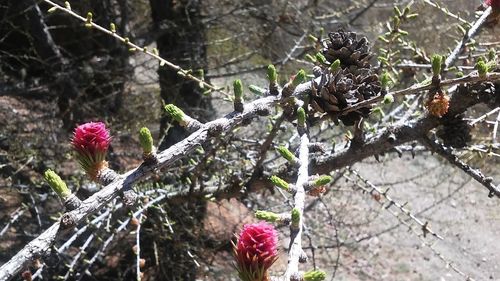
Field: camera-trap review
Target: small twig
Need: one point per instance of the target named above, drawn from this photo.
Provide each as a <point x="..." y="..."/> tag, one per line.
<point x="495" y="129"/>
<point x="482" y="117"/>
<point x="14" y="216"/>
<point x="471" y="33"/>
<point x="421" y="233"/>
<point x="138" y="248"/>
<point x="453" y="159"/>
<point x="80" y="253"/>
<point x="363" y="11"/>
<point x="446" y="11"/>
<point x="471" y="78"/>
<point x="180" y="71"/>
<point x="35" y="208"/>
<point x="377" y="192"/>
<point x="295" y="249"/>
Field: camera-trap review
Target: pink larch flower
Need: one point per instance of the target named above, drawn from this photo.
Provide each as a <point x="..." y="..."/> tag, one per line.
<point x="91" y="141"/>
<point x="492" y="3"/>
<point x="255" y="251"/>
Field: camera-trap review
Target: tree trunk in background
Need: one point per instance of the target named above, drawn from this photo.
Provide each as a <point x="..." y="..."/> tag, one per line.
<point x="181" y="40"/>
<point x="75" y="65"/>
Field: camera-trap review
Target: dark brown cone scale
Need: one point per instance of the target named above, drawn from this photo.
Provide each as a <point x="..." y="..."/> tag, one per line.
<point x="455" y="132"/>
<point x="352" y="52"/>
<point x="351" y="84"/>
<point x="342" y="89"/>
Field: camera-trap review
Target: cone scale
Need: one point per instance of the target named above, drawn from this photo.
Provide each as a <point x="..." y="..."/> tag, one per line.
<point x="91" y="142"/>
<point x="255" y="251"/>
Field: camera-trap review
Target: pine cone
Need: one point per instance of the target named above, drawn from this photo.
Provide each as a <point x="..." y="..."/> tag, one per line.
<point x="342" y="89"/>
<point x="455" y="132"/>
<point x="351" y="52"/>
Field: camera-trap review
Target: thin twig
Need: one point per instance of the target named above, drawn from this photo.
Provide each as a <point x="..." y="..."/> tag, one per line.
<point x="138" y="248"/>
<point x="453" y="159"/>
<point x="471" y="78"/>
<point x="377" y="192"/>
<point x="295" y="249"/>
<point x="14" y="216"/>
<point x="180" y="71"/>
<point x="476" y="27"/>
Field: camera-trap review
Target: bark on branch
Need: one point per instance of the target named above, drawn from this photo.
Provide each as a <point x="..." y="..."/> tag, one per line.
<point x="40" y="246"/>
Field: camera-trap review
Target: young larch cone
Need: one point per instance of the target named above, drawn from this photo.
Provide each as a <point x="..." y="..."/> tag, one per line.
<point x="438" y="104"/>
<point x="91" y="142"/>
<point x="255" y="251"/>
<point x="494" y="17"/>
<point x="493" y="3"/>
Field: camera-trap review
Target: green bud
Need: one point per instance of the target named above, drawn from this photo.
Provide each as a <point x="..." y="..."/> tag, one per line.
<point x="397" y="11"/>
<point x="257" y="90"/>
<point x="89" y="17"/>
<point x="406" y="10"/>
<point x="295" y="218"/>
<point x="299" y="78"/>
<point x="311" y="58"/>
<point x="88" y="22"/>
<point x="238" y="95"/>
<point x="382" y="38"/>
<point x="267" y="216"/>
<point x="378" y="110"/>
<point x="285" y="153"/>
<point x="280" y="183"/>
<point x="385" y="79"/>
<point x="314" y="275"/>
<point x="322" y="180"/>
<point x="174" y="112"/>
<point x="412" y="16"/>
<point x="396" y="21"/>
<point x="388" y="99"/>
<point x="112" y="27"/>
<point x="436" y="62"/>
<point x="312" y="38"/>
<point x="335" y="65"/>
<point x="238" y="89"/>
<point x="492" y="54"/>
<point x="272" y="75"/>
<point x="67" y="5"/>
<point x="51" y="10"/>
<point x="57" y="184"/>
<point x="146" y="140"/>
<point x="301" y="117"/>
<point x="482" y="68"/>
<point x="320" y="58"/>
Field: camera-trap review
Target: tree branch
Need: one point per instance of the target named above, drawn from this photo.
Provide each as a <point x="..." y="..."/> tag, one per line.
<point x="453" y="159"/>
<point x="40" y="246"/>
<point x="414" y="129"/>
<point x="295" y="250"/>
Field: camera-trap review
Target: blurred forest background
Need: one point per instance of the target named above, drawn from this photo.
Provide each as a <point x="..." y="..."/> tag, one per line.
<point x="55" y="74"/>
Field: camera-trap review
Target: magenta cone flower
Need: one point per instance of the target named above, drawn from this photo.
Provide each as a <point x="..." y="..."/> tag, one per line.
<point x="256" y="251"/>
<point x="91" y="141"/>
<point x="493" y="3"/>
